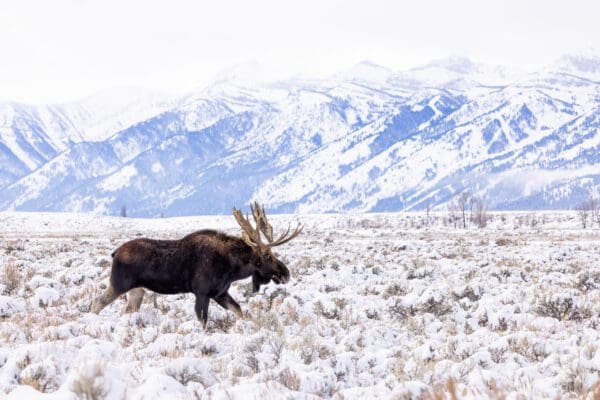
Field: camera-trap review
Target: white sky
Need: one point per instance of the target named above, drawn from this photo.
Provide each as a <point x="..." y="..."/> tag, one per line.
<point x="63" y="49"/>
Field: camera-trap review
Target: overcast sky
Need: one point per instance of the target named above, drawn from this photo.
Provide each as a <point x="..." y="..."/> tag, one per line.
<point x="63" y="49"/>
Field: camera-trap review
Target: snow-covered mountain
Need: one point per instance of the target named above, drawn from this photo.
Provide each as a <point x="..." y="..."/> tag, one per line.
<point x="365" y="139"/>
<point x="32" y="135"/>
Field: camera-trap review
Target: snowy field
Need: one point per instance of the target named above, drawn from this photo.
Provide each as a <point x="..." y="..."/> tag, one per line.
<point x="378" y="306"/>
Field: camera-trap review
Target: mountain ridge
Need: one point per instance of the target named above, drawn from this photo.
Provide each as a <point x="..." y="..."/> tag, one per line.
<point x="366" y="139"/>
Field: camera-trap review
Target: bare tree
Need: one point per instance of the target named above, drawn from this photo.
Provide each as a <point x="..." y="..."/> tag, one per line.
<point x="453" y="212"/>
<point x="595" y="212"/>
<point x="463" y="201"/>
<point x="427" y="210"/>
<point x="479" y="213"/>
<point x="585" y="210"/>
<point x="594" y="207"/>
<point x="123" y="211"/>
<point x="458" y="208"/>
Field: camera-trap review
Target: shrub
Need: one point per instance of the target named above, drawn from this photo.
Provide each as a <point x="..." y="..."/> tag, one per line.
<point x="185" y="370"/>
<point x="289" y="379"/>
<point x="562" y="307"/>
<point x="42" y="376"/>
<point x="90" y="382"/>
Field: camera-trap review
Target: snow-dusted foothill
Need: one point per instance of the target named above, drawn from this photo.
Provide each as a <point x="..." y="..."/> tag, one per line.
<point x="390" y="306"/>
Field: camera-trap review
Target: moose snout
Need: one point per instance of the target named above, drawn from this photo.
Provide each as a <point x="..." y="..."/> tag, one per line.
<point x="281" y="279"/>
<point x="280" y="273"/>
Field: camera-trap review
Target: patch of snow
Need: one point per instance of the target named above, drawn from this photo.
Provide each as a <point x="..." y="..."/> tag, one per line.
<point x="119" y="179"/>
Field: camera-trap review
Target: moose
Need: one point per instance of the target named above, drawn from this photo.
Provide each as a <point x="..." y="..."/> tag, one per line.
<point x="204" y="263"/>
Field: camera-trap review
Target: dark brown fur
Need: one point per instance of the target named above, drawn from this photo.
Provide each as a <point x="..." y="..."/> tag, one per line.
<point x="204" y="263"/>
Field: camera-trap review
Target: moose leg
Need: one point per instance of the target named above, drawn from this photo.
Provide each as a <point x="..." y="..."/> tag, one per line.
<point x="227" y="302"/>
<point x="202" y="308"/>
<point x="109" y="295"/>
<point x="134" y="300"/>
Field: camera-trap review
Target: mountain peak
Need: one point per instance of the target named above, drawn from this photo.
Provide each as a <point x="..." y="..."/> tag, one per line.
<point x="242" y="73"/>
<point x="458" y="64"/>
<point x="586" y="64"/>
<point x="370" y="64"/>
<point x="444" y="71"/>
<point x="366" y="71"/>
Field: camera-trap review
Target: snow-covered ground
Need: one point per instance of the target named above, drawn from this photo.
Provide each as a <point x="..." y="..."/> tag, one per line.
<point x="379" y="306"/>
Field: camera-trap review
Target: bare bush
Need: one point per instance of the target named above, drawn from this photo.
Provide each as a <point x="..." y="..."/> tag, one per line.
<point x="308" y="348"/>
<point x="14" y="246"/>
<point x="11" y="277"/>
<point x="562" y="308"/>
<point x="497" y="354"/>
<point x="187" y="370"/>
<point x="534" y="351"/>
<point x="588" y="280"/>
<point x="42" y="376"/>
<point x="394" y="289"/>
<point x="504" y="241"/>
<point x="222" y="324"/>
<point x="329" y="313"/>
<point x="468" y="292"/>
<point x="289" y="379"/>
<point x="436" y="306"/>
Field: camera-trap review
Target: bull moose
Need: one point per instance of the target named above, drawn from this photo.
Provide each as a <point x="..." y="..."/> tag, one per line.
<point x="204" y="263"/>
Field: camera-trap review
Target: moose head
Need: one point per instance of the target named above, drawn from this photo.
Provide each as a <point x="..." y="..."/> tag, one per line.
<point x="267" y="266"/>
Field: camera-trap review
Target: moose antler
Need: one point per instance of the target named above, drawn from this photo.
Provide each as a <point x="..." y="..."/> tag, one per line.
<point x="252" y="235"/>
<point x="284" y="238"/>
<point x="258" y="212"/>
